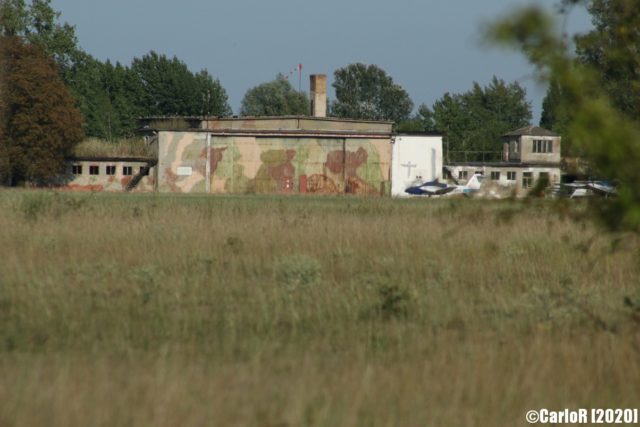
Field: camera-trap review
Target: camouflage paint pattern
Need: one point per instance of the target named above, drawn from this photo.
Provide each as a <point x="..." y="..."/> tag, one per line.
<point x="103" y="182"/>
<point x="273" y="163"/>
<point x="182" y="150"/>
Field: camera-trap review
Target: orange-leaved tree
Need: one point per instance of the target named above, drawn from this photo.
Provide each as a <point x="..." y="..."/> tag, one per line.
<point x="39" y="122"/>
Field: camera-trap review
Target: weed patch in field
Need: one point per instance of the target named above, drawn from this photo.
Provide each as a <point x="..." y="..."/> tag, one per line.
<point x="298" y="271"/>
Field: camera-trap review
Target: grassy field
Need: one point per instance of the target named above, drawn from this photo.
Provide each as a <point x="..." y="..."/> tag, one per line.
<point x="161" y="310"/>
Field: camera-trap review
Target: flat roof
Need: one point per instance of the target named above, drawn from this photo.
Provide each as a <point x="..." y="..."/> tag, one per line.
<point x="269" y="125"/>
<point x="418" y="134"/>
<point x="224" y="118"/>
<point x="503" y="164"/>
<point x="111" y="159"/>
<point x="285" y="133"/>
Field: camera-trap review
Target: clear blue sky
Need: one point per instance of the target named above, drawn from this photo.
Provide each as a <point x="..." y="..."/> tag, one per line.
<point x="429" y="47"/>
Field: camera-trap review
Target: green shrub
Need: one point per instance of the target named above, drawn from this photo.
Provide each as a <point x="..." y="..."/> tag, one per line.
<point x="297" y="271"/>
<point x="393" y="302"/>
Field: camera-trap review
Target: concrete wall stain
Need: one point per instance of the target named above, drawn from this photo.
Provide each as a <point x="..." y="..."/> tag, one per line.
<point x="321" y="184"/>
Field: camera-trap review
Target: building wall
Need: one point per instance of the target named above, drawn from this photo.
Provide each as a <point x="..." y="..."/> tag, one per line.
<point x="527" y="154"/>
<point x="118" y="182"/>
<point x="415" y="158"/>
<point x="521" y="149"/>
<point x="272" y="164"/>
<point x="553" y="173"/>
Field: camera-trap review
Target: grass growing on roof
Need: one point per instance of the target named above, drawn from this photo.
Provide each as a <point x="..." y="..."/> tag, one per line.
<point x="126" y="147"/>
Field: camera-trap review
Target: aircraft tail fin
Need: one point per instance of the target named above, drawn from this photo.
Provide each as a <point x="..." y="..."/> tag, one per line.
<point x="475" y="181"/>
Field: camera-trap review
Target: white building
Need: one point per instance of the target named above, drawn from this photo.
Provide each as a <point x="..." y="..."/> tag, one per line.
<point x="414" y="158"/>
<point x="529" y="154"/>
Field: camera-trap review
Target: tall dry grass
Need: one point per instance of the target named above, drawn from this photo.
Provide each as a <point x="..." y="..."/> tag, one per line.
<point x="172" y="310"/>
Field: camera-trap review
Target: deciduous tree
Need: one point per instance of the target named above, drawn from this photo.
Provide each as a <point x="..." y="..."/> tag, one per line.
<point x="473" y="121"/>
<point x="602" y="123"/>
<point x="40" y="123"/>
<point x="612" y="49"/>
<point x="274" y="98"/>
<point x="39" y="24"/>
<point x="167" y="87"/>
<point x="367" y="92"/>
<point x="556" y="117"/>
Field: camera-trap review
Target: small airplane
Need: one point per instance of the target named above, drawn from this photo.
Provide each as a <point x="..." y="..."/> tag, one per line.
<point x="588" y="188"/>
<point x="437" y="188"/>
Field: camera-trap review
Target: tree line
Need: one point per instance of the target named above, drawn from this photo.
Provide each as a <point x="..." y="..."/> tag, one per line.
<point x="111" y="96"/>
<point x="108" y="98"/>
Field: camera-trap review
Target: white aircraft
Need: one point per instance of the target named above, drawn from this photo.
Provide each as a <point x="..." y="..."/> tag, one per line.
<point x="436" y="188"/>
<point x="589" y="188"/>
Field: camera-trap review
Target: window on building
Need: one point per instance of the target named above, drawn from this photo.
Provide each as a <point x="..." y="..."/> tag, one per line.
<point x="479" y="172"/>
<point x="127" y="170"/>
<point x="144" y="170"/>
<point x="511" y="176"/>
<point x="76" y="169"/>
<point x="495" y="175"/>
<point x="462" y="175"/>
<point x="542" y="146"/>
<point x="111" y="170"/>
<point x="94" y="170"/>
<point x="527" y="179"/>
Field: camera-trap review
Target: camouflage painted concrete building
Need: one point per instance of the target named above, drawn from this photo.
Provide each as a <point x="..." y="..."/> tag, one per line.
<point x="116" y="174"/>
<point x="265" y="155"/>
<point x="297" y="154"/>
<point x="276" y="155"/>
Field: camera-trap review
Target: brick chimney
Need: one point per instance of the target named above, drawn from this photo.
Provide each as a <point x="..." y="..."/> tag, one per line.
<point x="318" y="95"/>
